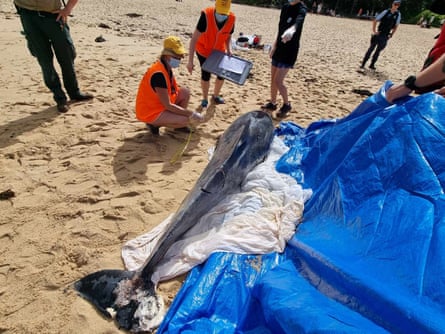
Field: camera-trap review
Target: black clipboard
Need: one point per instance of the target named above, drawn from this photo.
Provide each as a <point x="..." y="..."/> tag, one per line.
<point x="232" y="68"/>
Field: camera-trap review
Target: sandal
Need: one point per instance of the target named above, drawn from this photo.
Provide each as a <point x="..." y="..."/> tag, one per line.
<point x="218" y="100"/>
<point x="153" y="129"/>
<point x="284" y="110"/>
<point x="204" y="103"/>
<point x="270" y="106"/>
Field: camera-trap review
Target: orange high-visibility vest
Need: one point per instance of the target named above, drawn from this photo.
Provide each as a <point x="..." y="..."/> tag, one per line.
<point x="148" y="104"/>
<point x="212" y="38"/>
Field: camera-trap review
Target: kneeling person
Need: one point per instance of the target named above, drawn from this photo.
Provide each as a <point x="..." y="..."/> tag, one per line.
<point x="160" y="100"/>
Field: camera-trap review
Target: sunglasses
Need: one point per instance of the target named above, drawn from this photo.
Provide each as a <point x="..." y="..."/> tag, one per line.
<point x="396" y="4"/>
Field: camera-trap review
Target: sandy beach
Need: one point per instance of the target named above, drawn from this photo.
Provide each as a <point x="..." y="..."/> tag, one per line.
<point x="87" y="181"/>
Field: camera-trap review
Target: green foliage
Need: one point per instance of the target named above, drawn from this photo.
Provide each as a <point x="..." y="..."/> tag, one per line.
<point x="427" y="15"/>
<point x="410" y="9"/>
<point x="261" y="3"/>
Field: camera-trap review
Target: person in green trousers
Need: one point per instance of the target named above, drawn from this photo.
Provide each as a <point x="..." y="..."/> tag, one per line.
<point x="47" y="33"/>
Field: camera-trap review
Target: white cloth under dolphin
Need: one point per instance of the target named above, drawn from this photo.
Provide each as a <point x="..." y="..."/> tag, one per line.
<point x="258" y="220"/>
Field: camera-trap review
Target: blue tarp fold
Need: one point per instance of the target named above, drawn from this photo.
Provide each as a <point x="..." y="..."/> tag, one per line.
<point x="369" y="255"/>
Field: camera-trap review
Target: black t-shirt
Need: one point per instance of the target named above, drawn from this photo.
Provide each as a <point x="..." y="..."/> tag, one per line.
<point x="158" y="80"/>
<point x="290" y="15"/>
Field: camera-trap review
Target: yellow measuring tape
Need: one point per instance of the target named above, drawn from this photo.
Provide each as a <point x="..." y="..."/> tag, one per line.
<point x="207" y="116"/>
<point x="181" y="151"/>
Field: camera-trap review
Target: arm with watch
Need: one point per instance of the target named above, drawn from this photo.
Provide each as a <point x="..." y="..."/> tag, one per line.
<point x="432" y="74"/>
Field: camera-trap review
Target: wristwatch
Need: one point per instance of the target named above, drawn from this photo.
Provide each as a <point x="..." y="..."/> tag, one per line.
<point x="410" y="82"/>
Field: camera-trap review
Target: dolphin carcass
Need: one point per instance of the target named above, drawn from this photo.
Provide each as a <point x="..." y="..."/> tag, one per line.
<point x="129" y="296"/>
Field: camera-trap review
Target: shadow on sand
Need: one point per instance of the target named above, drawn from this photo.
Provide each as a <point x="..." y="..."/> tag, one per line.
<point x="134" y="157"/>
<point x="10" y="131"/>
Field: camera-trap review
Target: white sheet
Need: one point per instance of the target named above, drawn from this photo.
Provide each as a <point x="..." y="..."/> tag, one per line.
<point x="259" y="220"/>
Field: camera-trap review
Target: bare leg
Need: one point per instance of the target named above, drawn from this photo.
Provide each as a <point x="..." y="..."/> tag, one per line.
<point x="170" y="119"/>
<point x="218" y="85"/>
<point x="278" y="83"/>
<point x="183" y="97"/>
<point x="273" y="86"/>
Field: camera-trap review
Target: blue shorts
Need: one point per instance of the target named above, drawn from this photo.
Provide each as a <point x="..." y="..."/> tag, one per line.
<point x="280" y="65"/>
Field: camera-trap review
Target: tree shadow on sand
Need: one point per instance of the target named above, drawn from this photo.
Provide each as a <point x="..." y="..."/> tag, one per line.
<point x="10" y="131"/>
<point x="134" y="158"/>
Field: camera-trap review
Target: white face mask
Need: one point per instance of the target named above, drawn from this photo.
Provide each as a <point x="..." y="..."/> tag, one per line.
<point x="174" y="62"/>
<point x="220" y="17"/>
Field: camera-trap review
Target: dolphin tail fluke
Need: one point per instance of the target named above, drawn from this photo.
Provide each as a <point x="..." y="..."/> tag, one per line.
<point x="100" y="288"/>
<point x="121" y="295"/>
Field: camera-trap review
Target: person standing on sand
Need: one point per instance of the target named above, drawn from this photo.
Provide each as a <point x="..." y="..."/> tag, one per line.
<point x="284" y="53"/>
<point x="160" y="101"/>
<point x="47" y="33"/>
<point x="389" y="21"/>
<point x="213" y="32"/>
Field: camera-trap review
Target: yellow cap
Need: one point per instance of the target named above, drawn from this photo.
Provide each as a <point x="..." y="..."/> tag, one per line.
<point x="223" y="6"/>
<point x="173" y="47"/>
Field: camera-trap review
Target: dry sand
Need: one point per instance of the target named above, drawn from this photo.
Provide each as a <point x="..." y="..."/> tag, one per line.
<point x="89" y="180"/>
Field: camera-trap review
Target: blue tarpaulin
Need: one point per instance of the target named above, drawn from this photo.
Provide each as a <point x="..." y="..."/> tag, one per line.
<point x="369" y="256"/>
